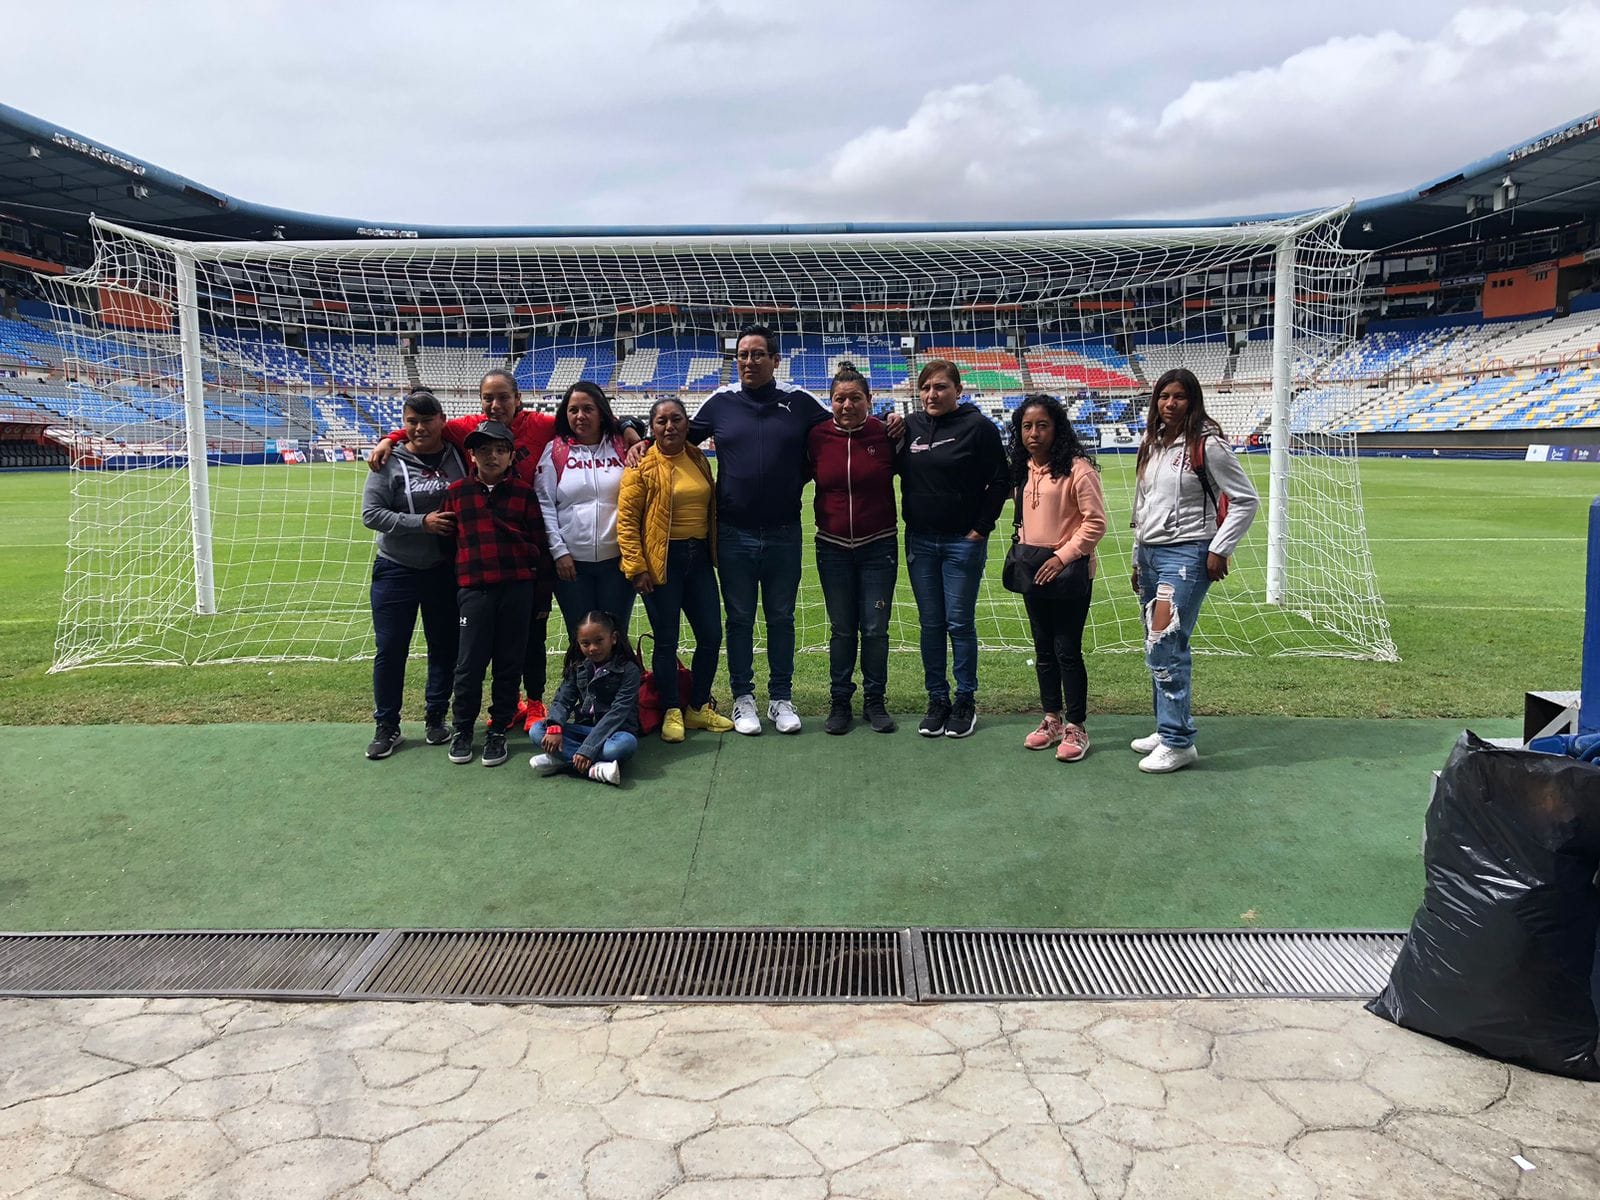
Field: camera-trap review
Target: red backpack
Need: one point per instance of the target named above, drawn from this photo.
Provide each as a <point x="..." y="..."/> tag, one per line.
<point x="561" y="452"/>
<point x="1197" y="464"/>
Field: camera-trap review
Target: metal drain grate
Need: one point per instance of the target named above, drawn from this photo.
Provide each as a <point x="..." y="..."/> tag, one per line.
<point x="602" y="966"/>
<point x="970" y="964"/>
<point x="266" y="964"/>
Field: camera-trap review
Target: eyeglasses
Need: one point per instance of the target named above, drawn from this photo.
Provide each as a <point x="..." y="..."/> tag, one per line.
<point x="750" y="355"/>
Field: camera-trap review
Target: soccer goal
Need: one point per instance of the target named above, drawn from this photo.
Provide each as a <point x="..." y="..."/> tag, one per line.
<point x="222" y="395"/>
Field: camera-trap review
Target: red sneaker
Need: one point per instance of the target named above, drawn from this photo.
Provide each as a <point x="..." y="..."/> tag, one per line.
<point x="532" y="711"/>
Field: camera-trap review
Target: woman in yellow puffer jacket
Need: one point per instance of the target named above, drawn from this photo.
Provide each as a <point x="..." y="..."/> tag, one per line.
<point x="666" y="531"/>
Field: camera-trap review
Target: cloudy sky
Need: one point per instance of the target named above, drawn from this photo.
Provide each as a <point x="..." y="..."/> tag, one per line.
<point x="738" y="110"/>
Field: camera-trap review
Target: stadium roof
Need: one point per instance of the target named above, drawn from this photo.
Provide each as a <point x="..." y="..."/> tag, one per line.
<point x="54" y="177"/>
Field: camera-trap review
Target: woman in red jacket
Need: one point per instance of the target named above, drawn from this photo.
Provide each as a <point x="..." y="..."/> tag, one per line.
<point x="858" y="548"/>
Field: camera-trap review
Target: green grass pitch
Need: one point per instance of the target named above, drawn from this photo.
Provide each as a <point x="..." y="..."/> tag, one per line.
<point x="1480" y="565"/>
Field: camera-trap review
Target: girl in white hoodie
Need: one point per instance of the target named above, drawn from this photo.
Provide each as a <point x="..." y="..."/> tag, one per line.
<point x="1191" y="505"/>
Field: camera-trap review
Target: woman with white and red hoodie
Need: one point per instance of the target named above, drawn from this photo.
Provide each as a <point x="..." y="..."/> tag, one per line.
<point x="858" y="548"/>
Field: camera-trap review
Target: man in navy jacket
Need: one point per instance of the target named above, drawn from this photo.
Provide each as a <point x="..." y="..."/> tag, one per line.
<point x="760" y="431"/>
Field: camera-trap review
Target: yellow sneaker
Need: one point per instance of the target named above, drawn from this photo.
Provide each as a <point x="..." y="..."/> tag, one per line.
<point x="706" y="717"/>
<point x="672" y="725"/>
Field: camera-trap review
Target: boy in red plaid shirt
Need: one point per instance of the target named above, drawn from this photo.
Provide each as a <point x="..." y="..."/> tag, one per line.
<point x="499" y="535"/>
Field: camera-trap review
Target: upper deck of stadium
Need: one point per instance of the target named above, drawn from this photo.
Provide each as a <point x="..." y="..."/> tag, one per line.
<point x="55" y="177"/>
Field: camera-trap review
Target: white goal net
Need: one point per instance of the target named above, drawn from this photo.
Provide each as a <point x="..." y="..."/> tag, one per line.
<point x="221" y="397"/>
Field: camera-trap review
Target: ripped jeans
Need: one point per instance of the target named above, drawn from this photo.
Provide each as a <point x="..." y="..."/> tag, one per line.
<point x="1177" y="574"/>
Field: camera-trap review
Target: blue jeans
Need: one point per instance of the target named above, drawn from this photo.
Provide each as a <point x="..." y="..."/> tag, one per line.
<point x="399" y="593"/>
<point x="769" y="559"/>
<point x="1176" y="574"/>
<point x="945" y="571"/>
<point x="619" y="747"/>
<point x="599" y="585"/>
<point x="690" y="591"/>
<point x="858" y="589"/>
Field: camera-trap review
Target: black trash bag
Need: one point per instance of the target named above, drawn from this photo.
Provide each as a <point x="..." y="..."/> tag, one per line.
<point x="1501" y="956"/>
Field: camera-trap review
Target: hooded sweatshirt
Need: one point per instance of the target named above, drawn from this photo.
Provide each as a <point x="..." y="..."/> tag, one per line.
<point x="579" y="500"/>
<point x="953" y="476"/>
<point x="1170" y="506"/>
<point x="397" y="497"/>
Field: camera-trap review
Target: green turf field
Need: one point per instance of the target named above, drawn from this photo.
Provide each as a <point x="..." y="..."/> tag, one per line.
<point x="1480" y="565"/>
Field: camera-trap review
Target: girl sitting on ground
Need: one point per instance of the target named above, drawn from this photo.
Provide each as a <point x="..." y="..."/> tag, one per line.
<point x="593" y="725"/>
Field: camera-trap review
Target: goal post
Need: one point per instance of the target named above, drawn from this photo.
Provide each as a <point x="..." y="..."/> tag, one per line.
<point x="222" y="395"/>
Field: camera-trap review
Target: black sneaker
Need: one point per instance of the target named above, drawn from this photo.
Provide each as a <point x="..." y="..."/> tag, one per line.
<point x="438" y="733"/>
<point x="938" y="713"/>
<point x="963" y="717"/>
<point x="385" y="742"/>
<point x="494" y="748"/>
<point x="461" y="746"/>
<point x="878" y="716"/>
<point x="840" y="716"/>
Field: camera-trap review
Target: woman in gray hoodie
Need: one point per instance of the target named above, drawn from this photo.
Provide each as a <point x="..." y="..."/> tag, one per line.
<point x="414" y="570"/>
<point x="1191" y="505"/>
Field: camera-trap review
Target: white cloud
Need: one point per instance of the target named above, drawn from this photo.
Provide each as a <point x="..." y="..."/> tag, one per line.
<point x="1350" y="116"/>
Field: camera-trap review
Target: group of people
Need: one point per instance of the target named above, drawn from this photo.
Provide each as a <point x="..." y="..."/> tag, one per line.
<point x="481" y="519"/>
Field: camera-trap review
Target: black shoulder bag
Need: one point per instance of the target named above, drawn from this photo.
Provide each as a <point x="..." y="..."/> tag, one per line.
<point x="1023" y="563"/>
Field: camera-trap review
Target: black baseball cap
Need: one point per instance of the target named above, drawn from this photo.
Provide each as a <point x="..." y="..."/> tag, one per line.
<point x="490" y="431"/>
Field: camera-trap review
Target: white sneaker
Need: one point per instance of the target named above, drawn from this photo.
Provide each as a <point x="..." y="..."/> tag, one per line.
<point x="745" y="718"/>
<point x="1166" y="758"/>
<point x="606" y="772"/>
<point x="546" y="764"/>
<point x="1145" y="744"/>
<point x="781" y="713"/>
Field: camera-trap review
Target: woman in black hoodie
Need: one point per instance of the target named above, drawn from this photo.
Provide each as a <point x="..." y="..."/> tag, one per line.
<point x="953" y="485"/>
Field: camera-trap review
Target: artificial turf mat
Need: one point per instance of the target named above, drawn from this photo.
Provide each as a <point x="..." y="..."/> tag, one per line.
<point x="1286" y="823"/>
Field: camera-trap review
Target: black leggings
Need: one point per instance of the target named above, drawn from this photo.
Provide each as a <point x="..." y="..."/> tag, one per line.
<point x="1058" y="654"/>
<point x="535" y="666"/>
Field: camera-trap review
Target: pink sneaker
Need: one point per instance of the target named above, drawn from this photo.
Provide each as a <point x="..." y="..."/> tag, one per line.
<point x="1074" y="743"/>
<point x="1047" y="735"/>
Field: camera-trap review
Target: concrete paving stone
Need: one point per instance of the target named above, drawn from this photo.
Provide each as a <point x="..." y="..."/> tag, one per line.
<point x="432" y="1033"/>
<point x="569" y="1017"/>
<point x="775" y="1101"/>
<point x="385" y="1068"/>
<point x="184" y="1004"/>
<point x="48" y="1072"/>
<point x="120" y="1100"/>
<point x="320" y="1080"/>
<point x="1121" y="1082"/>
<point x="853" y="1031"/>
<point x="445" y="1083"/>
<point x="752" y="1189"/>
<point x="481" y="1018"/>
<point x="353" y="1026"/>
<point x="1055" y="1051"/>
<point x="703" y="1066"/>
<point x="309" y="1170"/>
<point x="630" y="1169"/>
<point x="407" y="1157"/>
<point x="1379" y="1037"/>
<point x="496" y="1093"/>
<point x="1069" y="1098"/>
<point x="101" y="1010"/>
<point x="1142" y="1129"/>
<point x="658" y="1119"/>
<point x="241" y="1019"/>
<point x="920" y="1169"/>
<point x="964" y="1026"/>
<point x="1105" y="1163"/>
<point x="17" y="1015"/>
<point x="587" y="1079"/>
<point x="209" y="1098"/>
<point x="1461" y="1083"/>
<point x="1533" y="1127"/>
<point x="1571" y="1099"/>
<point x="155" y="1159"/>
<point x="745" y="1152"/>
<point x="880" y="1081"/>
<point x="1331" y="1103"/>
<point x="249" y="1053"/>
<point x="535" y="1155"/>
<point x="28" y="1159"/>
<point x="1286" y="1054"/>
<point x="1231" y="1110"/>
<point x="268" y="1124"/>
<point x="842" y="1137"/>
<point x="504" y="1046"/>
<point x="1160" y="1046"/>
<point x="1463" y="1145"/>
<point x="26" y="1117"/>
<point x="1212" y="1172"/>
<point x="1560" y="1176"/>
<point x="1004" y="1191"/>
<point x="714" y="1018"/>
<point x="363" y="1119"/>
<point x="1225" y="1016"/>
<point x="629" y="1039"/>
<point x="1038" y="1160"/>
<point x="1005" y="1094"/>
<point x="146" y="1039"/>
<point x="64" y="1187"/>
<point x="548" y="1046"/>
<point x="1330" y="1015"/>
<point x="1352" y="1164"/>
<point x="370" y="1189"/>
<point x="1069" y="1015"/>
<point x="43" y="1037"/>
<point x="941" y="1121"/>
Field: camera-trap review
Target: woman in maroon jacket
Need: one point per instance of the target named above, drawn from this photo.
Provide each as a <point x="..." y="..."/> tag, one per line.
<point x="858" y="549"/>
